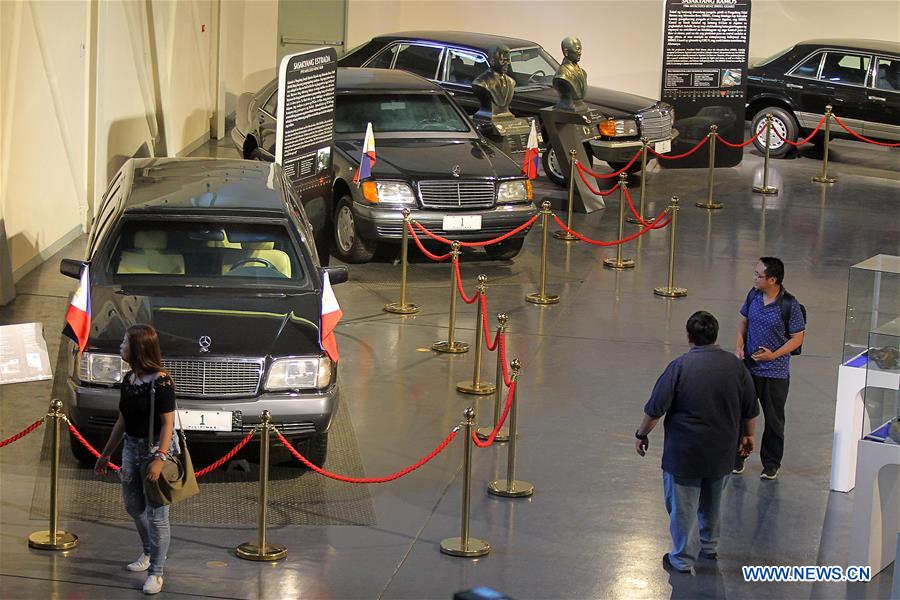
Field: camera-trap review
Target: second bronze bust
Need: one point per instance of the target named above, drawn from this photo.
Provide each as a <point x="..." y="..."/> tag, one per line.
<point x="570" y="80"/>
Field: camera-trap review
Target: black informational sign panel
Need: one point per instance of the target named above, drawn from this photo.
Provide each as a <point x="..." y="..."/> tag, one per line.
<point x="704" y="75"/>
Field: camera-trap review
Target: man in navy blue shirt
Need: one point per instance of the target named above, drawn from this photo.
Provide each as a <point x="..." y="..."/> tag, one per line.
<point x="710" y="407"/>
<point x="765" y="342"/>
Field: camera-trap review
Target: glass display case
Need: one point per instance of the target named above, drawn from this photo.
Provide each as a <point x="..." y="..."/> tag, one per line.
<point x="873" y="302"/>
<point x="881" y="396"/>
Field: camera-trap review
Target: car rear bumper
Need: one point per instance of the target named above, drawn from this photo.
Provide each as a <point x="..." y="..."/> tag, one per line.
<point x="387" y="224"/>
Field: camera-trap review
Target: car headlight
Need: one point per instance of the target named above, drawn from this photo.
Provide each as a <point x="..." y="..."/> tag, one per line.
<point x="101" y="368"/>
<point x="511" y="192"/>
<point x="618" y="128"/>
<point x="388" y="192"/>
<point x="299" y="373"/>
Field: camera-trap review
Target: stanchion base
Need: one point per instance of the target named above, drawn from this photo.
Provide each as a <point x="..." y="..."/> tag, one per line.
<point x="564" y="235"/>
<point x="820" y="179"/>
<point x="538" y="298"/>
<point x="518" y="489"/>
<point x="483" y="433"/>
<point x="474" y="547"/>
<point x="448" y="348"/>
<point x="251" y="551"/>
<point x="625" y="263"/>
<point x="710" y="205"/>
<point x="42" y="540"/>
<point x="635" y="221"/>
<point x="401" y="309"/>
<point x="675" y="292"/>
<point x="768" y="191"/>
<point x="482" y="389"/>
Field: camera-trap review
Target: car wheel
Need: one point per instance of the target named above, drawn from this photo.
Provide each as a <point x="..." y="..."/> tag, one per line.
<point x="552" y="169"/>
<point x="782" y="122"/>
<point x="314" y="449"/>
<point x="349" y="246"/>
<point x="505" y="250"/>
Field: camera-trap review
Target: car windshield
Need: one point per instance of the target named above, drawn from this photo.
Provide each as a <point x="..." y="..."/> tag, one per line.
<point x="396" y="113"/>
<point x="204" y="253"/>
<point x="529" y="66"/>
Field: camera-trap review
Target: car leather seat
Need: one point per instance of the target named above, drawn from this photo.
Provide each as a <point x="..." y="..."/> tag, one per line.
<point x="264" y="250"/>
<point x="150" y="256"/>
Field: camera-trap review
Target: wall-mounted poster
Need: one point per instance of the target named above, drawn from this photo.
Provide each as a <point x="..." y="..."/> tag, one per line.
<point x="704" y="75"/>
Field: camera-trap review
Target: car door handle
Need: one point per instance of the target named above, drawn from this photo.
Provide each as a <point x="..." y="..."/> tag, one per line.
<point x="877" y="99"/>
<point x="794" y="86"/>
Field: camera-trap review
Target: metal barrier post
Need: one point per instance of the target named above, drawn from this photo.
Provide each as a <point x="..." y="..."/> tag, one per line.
<point x="645" y="144"/>
<point x="669" y="291"/>
<point x="618" y="262"/>
<point x="476" y="386"/>
<point x="262" y="550"/>
<point x="450" y="345"/>
<point x="709" y="204"/>
<point x="563" y="234"/>
<point x="464" y="545"/>
<point x="512" y="487"/>
<point x="484" y="433"/>
<point x="765" y="189"/>
<point x="402" y="307"/>
<point x="53" y="538"/>
<point x="540" y="297"/>
<point x="824" y="178"/>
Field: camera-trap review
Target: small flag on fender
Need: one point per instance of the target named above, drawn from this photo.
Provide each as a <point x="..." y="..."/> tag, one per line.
<point x="530" y="164"/>
<point x="367" y="160"/>
<point x="78" y="317"/>
<point x="331" y="314"/>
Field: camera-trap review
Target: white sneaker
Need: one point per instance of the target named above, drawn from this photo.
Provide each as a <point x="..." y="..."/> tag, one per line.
<point x="141" y="564"/>
<point x="153" y="585"/>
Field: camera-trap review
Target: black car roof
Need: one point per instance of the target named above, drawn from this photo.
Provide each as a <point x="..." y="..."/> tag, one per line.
<point x="482" y="41"/>
<point x="352" y="79"/>
<point x="855" y="44"/>
<point x="202" y="183"/>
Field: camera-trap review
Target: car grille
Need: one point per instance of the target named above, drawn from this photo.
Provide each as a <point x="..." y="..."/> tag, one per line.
<point x="214" y="378"/>
<point x="449" y="194"/>
<point x="656" y="124"/>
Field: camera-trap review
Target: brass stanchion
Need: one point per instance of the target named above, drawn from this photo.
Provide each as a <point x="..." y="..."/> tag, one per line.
<point x="765" y="189"/>
<point x="709" y="204"/>
<point x="262" y="550"/>
<point x="512" y="487"/>
<point x="53" y="538"/>
<point x="618" y="262"/>
<point x="484" y="433"/>
<point x="669" y="291"/>
<point x="824" y="178"/>
<point x="464" y="545"/>
<point x="645" y="144"/>
<point x="476" y="386"/>
<point x="402" y="307"/>
<point x="450" y="345"/>
<point x="562" y="234"/>
<point x="541" y="297"/>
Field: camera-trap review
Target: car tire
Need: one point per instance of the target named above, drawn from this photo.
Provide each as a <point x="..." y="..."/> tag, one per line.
<point x="505" y="250"/>
<point x="783" y="122"/>
<point x="349" y="246"/>
<point x="314" y="449"/>
<point x="552" y="169"/>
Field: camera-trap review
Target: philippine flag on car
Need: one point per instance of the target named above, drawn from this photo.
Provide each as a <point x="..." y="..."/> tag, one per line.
<point x="78" y="317"/>
<point x="367" y="160"/>
<point x="530" y="165"/>
<point x="331" y="314"/>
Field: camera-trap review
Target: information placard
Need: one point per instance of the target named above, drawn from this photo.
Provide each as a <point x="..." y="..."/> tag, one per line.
<point x="704" y="75"/>
<point x="23" y="353"/>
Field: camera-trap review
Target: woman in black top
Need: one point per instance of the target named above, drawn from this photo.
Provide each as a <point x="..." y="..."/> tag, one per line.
<point x="140" y="349"/>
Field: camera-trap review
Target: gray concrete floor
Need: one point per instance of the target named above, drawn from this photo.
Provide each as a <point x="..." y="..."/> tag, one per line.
<point x="596" y="526"/>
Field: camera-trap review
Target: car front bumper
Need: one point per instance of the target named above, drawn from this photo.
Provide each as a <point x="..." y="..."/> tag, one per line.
<point x="620" y="151"/>
<point x="380" y="223"/>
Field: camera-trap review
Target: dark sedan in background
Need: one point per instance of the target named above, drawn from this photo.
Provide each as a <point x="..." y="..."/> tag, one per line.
<point x="860" y="79"/>
<point x="453" y="59"/>
<point x="430" y="160"/>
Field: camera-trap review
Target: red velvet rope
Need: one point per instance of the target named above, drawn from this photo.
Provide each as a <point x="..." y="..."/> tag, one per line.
<point x="609" y="175"/>
<point x="422" y="248"/>
<point x="658" y="223"/>
<point x="683" y="155"/>
<point x="85" y="443"/>
<point x="633" y="211"/>
<point x="503" y="362"/>
<point x="596" y="192"/>
<point x="804" y="140"/>
<point x="227" y="457"/>
<point x="741" y="144"/>
<point x="484" y="326"/>
<point x="862" y="138"/>
<point x="345" y="479"/>
<point x="510" y="395"/>
<point x="22" y="433"/>
<point x="459" y="285"/>
<point x="496" y="240"/>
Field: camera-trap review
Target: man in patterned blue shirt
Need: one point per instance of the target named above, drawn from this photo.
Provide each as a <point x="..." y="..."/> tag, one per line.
<point x="765" y="342"/>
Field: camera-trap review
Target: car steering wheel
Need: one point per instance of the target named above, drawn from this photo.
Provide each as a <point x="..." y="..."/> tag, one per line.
<point x="244" y="261"/>
<point x="533" y="75"/>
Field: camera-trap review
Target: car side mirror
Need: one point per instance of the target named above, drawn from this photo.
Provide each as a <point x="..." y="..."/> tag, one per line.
<point x="337" y="275"/>
<point x="71" y="267"/>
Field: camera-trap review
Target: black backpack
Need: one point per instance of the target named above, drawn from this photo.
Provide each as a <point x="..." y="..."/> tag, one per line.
<point x="787" y="299"/>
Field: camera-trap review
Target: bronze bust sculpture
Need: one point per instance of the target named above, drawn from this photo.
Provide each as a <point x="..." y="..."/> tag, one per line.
<point x="494" y="88"/>
<point x="570" y="80"/>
